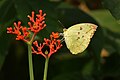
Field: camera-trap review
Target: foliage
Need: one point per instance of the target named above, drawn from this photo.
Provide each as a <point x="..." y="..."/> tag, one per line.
<point x="63" y="65"/>
<point x="113" y="6"/>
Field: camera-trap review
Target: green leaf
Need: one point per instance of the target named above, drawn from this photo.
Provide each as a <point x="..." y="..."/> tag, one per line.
<point x="114" y="7"/>
<point x="7" y="11"/>
<point x="5" y="40"/>
<point x="112" y="42"/>
<point x="70" y="76"/>
<point x="88" y="68"/>
<point x="22" y="9"/>
<point x="106" y="21"/>
<point x="111" y="66"/>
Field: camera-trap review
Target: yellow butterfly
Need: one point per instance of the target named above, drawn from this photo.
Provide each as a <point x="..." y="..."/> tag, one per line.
<point x="77" y="37"/>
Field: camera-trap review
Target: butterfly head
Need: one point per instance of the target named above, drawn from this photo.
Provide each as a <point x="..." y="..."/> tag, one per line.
<point x="64" y="29"/>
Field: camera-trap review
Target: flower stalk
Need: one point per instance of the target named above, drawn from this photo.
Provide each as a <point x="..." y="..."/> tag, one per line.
<point x="30" y="62"/>
<point x="46" y="68"/>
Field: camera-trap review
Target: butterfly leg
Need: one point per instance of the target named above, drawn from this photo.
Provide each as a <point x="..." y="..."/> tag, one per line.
<point x="63" y="39"/>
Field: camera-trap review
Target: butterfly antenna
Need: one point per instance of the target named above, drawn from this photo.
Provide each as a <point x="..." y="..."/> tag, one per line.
<point x="61" y="24"/>
<point x="61" y="34"/>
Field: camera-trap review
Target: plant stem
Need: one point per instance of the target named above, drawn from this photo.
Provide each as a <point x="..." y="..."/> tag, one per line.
<point x="46" y="68"/>
<point x="30" y="62"/>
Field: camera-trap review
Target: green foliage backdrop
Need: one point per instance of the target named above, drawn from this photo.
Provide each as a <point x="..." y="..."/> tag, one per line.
<point x="89" y="65"/>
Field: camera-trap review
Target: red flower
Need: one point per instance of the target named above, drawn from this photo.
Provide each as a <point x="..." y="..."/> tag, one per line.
<point x="35" y="26"/>
<point x="37" y="23"/>
<point x="21" y="32"/>
<point x="53" y="43"/>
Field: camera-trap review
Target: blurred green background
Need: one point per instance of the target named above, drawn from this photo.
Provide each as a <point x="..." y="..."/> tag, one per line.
<point x="100" y="61"/>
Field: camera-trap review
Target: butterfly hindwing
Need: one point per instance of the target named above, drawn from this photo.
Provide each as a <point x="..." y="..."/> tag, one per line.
<point x="78" y="36"/>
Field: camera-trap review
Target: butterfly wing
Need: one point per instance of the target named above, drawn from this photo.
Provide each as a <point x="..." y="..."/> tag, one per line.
<point x="78" y="36"/>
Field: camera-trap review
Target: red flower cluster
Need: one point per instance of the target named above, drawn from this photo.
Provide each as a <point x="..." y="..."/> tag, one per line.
<point x="35" y="26"/>
<point x="53" y="43"/>
<point x="21" y="32"/>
